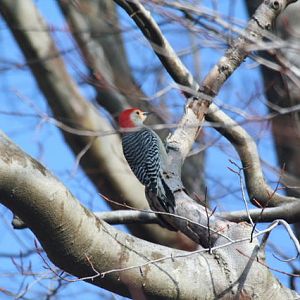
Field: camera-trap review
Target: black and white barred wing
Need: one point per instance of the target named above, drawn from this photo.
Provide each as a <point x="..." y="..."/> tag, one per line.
<point x="141" y="150"/>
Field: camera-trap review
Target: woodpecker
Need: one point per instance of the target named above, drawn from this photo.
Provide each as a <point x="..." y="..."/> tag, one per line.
<point x="146" y="156"/>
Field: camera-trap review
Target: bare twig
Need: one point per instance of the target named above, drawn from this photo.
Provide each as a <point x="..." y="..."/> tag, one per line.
<point x="266" y="204"/>
<point x="128" y="217"/>
<point x="242" y="188"/>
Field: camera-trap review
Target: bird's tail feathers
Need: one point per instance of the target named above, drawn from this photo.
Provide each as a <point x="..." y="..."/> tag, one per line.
<point x="165" y="196"/>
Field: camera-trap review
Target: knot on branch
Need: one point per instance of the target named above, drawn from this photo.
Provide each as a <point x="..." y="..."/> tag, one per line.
<point x="275" y="4"/>
<point x="198" y="106"/>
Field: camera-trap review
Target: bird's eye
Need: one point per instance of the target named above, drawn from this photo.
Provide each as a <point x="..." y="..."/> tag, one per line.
<point x="137" y="112"/>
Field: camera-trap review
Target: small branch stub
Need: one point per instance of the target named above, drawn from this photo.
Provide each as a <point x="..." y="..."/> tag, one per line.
<point x="199" y="107"/>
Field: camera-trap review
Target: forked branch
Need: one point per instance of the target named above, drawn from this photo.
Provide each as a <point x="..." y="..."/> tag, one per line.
<point x="183" y="138"/>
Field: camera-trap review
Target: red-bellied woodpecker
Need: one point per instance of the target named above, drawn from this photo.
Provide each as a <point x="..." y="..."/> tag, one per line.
<point x="146" y="156"/>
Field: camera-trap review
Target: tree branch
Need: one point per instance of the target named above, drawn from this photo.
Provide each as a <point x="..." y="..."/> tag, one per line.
<point x="289" y="212"/>
<point x="128" y="217"/>
<point x="159" y="44"/>
<point x="82" y="245"/>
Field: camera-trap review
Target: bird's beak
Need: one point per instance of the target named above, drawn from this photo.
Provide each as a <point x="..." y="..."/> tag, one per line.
<point x="146" y="113"/>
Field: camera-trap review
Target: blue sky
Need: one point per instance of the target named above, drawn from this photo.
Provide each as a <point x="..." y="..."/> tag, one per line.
<point x="19" y="94"/>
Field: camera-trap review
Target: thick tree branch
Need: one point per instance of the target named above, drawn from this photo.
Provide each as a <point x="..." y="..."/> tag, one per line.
<point x="96" y="32"/>
<point x="289" y="212"/>
<point x="160" y="45"/>
<point x="67" y="230"/>
<point x="79" y="243"/>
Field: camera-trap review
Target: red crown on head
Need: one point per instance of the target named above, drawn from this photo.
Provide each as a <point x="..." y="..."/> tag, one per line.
<point x="124" y="118"/>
